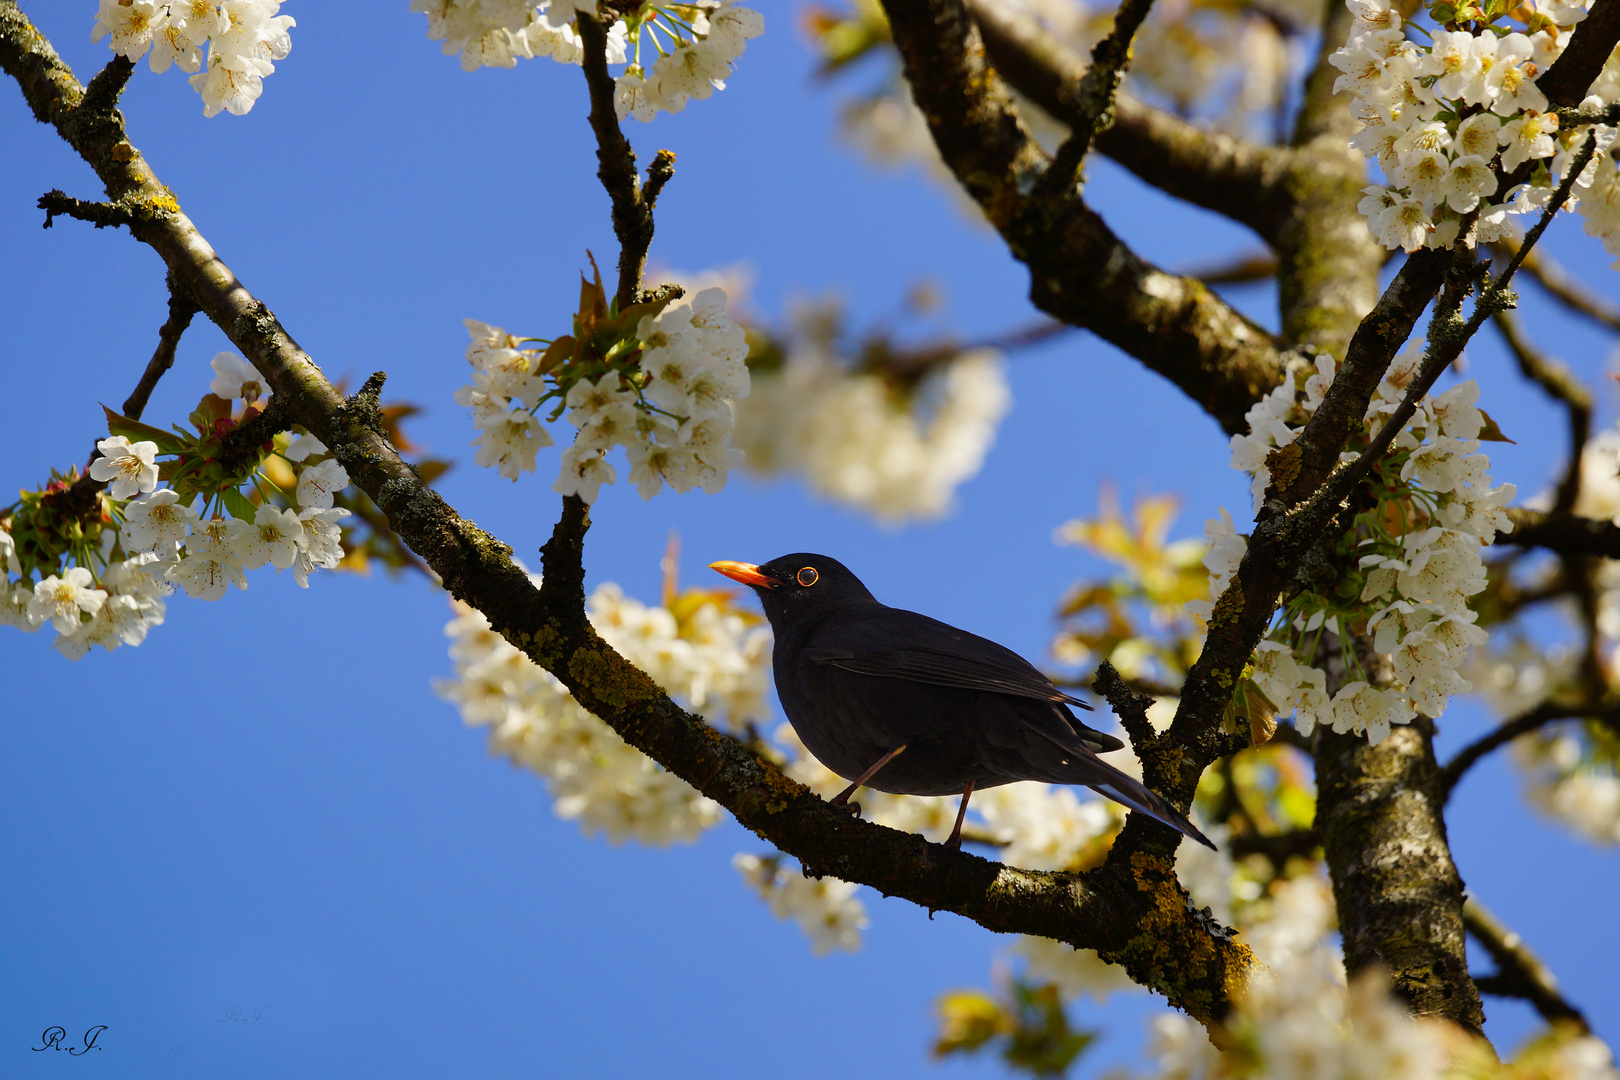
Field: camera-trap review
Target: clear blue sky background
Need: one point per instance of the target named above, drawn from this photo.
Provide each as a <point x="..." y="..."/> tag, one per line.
<point x="264" y="807"/>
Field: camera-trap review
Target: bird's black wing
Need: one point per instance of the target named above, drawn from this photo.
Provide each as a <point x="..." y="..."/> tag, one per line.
<point x="953" y="668"/>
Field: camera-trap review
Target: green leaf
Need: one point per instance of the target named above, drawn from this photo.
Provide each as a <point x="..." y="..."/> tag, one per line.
<point x="135" y="431"/>
<point x="626" y="321"/>
<point x="238" y="505"/>
<point x="555" y="354"/>
<point x="1492" y="433"/>
<point x="209" y="409"/>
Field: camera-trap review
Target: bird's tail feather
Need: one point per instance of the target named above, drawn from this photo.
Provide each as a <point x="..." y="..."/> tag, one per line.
<point x="1081" y="766"/>
<point x="1146" y="801"/>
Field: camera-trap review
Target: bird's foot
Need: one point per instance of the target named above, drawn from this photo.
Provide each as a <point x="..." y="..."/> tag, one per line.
<point x="843" y="803"/>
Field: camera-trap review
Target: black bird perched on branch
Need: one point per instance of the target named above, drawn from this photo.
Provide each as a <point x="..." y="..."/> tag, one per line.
<point x="902" y="703"/>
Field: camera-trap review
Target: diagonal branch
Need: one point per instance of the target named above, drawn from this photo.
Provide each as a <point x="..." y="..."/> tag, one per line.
<point x="1205" y="168"/>
<point x="1560" y="384"/>
<point x="1534" y="719"/>
<point x="1562" y="286"/>
<point x="1133" y="912"/>
<point x="1520" y="972"/>
<point x="1081" y="273"/>
<point x="181" y="310"/>
<point x="1093" y="99"/>
<point x="1571" y="75"/>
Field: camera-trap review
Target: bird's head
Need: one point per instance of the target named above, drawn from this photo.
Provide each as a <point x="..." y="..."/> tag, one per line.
<point x="800" y="582"/>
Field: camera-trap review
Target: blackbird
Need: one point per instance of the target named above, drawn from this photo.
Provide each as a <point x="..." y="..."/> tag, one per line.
<point x="902" y="703"/>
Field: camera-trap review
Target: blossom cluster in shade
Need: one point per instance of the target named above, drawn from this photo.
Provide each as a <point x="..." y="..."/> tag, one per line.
<point x="1035" y="826"/>
<point x="673" y="53"/>
<point x="708" y="657"/>
<point x="228" y="46"/>
<point x="152" y="539"/>
<point x="665" y="399"/>
<point x="1413" y="557"/>
<point x="1301" y="1019"/>
<point x="826" y="909"/>
<point x="899" y="454"/>
<point x="1441" y="116"/>
<point x="1572" y="774"/>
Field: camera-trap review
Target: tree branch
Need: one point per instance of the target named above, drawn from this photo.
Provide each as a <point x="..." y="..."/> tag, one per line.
<point x="101" y="215"/>
<point x="632" y="207"/>
<point x="1327" y="259"/>
<point x="1571" y="75"/>
<point x="1521" y="973"/>
<point x="1562" y="286"/>
<point x="1131" y="910"/>
<point x="1560" y="384"/>
<point x="1565" y="534"/>
<point x="181" y="310"/>
<point x="1526" y="722"/>
<point x="1205" y="168"/>
<point x="1093" y="100"/>
<point x="1081" y="273"/>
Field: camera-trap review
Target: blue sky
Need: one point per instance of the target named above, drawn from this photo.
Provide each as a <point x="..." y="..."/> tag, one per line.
<point x="264" y="808"/>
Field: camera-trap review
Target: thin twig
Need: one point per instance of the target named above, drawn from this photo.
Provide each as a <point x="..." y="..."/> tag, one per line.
<point x="181" y="309"/>
<point x="1241" y="270"/>
<point x="1448" y="333"/>
<point x="1560" y="383"/>
<point x="1562" y="286"/>
<point x="1093" y="100"/>
<point x="1534" y="719"/>
<point x="1582" y="158"/>
<point x="102" y="215"/>
<point x="1128" y="705"/>
<point x="616" y="163"/>
<point x="1521" y="973"/>
<point x="1578" y="117"/>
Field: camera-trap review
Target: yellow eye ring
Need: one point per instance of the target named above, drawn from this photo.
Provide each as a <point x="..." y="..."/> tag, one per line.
<point x="807" y="576"/>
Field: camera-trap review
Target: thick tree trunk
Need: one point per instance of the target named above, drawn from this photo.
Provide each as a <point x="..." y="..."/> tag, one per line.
<point x="1397" y="890"/>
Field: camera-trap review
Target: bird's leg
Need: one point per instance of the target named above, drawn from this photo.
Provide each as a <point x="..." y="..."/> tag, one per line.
<point x="955" y="841"/>
<point x="841" y="800"/>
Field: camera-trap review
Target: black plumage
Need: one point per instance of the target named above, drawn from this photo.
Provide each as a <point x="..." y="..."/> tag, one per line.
<point x="899" y="702"/>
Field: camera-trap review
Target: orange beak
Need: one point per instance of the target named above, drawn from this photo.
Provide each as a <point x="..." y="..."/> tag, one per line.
<point x="747" y="573"/>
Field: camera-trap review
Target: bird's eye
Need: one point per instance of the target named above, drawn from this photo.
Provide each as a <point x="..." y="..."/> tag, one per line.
<point x="807" y="577"/>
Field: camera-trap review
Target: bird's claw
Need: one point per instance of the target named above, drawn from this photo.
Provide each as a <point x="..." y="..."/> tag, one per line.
<point x="849" y="807"/>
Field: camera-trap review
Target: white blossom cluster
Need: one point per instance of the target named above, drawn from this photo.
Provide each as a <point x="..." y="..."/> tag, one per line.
<point x="1419" y="557"/>
<point x="1303" y="1020"/>
<point x="711" y="660"/>
<point x="1571" y="779"/>
<point x="238" y="39"/>
<point x="116" y="610"/>
<point x="1600" y="206"/>
<point x="826" y="909"/>
<point x="1285" y="921"/>
<point x="696" y="46"/>
<point x="499" y="33"/>
<point x="1437" y="115"/>
<point x="858" y="440"/>
<point x="165" y="542"/>
<point x="674" y="52"/>
<point x="1037" y="826"/>
<point x="672" y="413"/>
